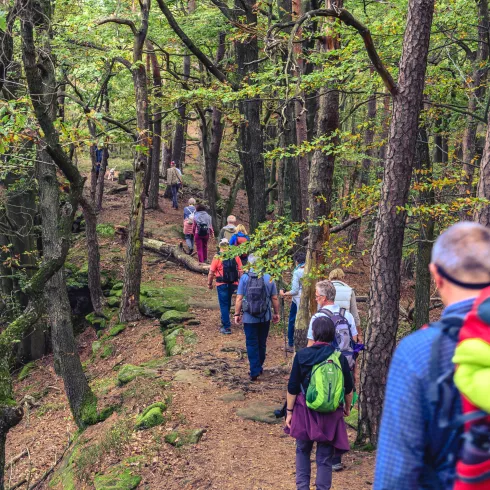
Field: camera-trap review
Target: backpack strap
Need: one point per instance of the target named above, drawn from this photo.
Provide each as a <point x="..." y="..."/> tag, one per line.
<point x="342" y="312"/>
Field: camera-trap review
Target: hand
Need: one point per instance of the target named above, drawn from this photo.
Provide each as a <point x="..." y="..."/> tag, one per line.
<point x="289" y="417"/>
<point x="210" y="286"/>
<point x="346" y="411"/>
<point x="238" y="319"/>
<point x="275" y="318"/>
<point x="281" y="293"/>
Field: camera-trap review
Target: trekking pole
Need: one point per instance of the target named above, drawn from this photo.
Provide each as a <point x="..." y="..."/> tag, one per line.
<point x="284" y="328"/>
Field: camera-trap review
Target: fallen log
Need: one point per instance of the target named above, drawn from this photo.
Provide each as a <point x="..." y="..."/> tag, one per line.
<point x="117" y="190"/>
<point x="177" y="253"/>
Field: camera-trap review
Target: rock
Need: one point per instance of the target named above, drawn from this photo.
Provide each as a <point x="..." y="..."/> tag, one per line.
<point x="194" y="321"/>
<point x="107" y="351"/>
<point x="190" y="377"/>
<point x="113" y="301"/>
<point x="129" y="372"/>
<point x="116" y="329"/>
<point x="152" y="307"/>
<point x="118" y="478"/>
<point x="174" y="317"/>
<point x="118" y="189"/>
<point x="96" y="346"/>
<point x="178" y="340"/>
<point x="238" y="396"/>
<point x="181" y="438"/>
<point x="152" y="416"/>
<point x="260" y="412"/>
<point x="118" y="286"/>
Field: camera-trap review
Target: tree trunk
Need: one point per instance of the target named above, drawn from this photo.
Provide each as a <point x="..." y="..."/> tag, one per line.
<point x="250" y="135"/>
<point x="130" y="298"/>
<point x="426" y="234"/>
<point x="482" y="214"/>
<point x="476" y="99"/>
<point x="66" y="358"/>
<point x="385" y="127"/>
<point x="157" y="132"/>
<point x="366" y="162"/>
<point x="390" y="226"/>
<point x="94" y="285"/>
<point x="319" y="195"/>
<point x="99" y="195"/>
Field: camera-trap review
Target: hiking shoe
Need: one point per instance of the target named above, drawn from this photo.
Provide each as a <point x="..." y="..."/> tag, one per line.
<point x="254" y="378"/>
<point x="290" y="348"/>
<point x="225" y="331"/>
<point x="337" y="467"/>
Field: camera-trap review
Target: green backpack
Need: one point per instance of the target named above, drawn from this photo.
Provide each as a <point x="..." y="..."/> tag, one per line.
<point x="326" y="389"/>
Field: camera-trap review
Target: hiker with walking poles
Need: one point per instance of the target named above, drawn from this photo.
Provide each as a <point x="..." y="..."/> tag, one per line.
<point x="295" y="294"/>
<point x="255" y="296"/>
<point x="435" y="427"/>
<point x="345" y="334"/>
<point x="227" y="273"/>
<point x="319" y="396"/>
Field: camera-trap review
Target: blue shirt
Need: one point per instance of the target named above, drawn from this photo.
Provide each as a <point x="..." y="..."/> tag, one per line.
<point x="404" y="441"/>
<point x="271" y="289"/>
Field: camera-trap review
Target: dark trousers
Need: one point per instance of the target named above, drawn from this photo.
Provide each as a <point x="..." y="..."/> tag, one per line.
<point x="225" y="293"/>
<point x="256" y="341"/>
<point x="324" y="453"/>
<point x="175" y="194"/>
<point x="189" y="239"/>
<point x="292" y="320"/>
<point x="202" y="247"/>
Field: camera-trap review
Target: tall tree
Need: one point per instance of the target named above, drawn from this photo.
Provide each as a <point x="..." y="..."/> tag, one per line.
<point x="130" y="298"/>
<point x="390" y="226"/>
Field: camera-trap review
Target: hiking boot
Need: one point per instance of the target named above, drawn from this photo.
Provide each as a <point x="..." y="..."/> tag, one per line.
<point x="254" y="378"/>
<point x="290" y="348"/>
<point x="225" y="331"/>
<point x="337" y="467"/>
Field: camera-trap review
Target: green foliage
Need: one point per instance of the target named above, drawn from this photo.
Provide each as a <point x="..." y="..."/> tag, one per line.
<point x="152" y="416"/>
<point x="105" y="230"/>
<point x="26" y="370"/>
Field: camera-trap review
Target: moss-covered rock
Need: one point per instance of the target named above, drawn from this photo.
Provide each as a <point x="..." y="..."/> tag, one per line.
<point x="113" y="301"/>
<point x="26" y="370"/>
<point x="107" y="350"/>
<point x="181" y="438"/>
<point x="174" y="317"/>
<point x="152" y="416"/>
<point x="96" y="346"/>
<point x="106" y="230"/>
<point x="116" y="329"/>
<point x="118" y="478"/>
<point x="129" y="372"/>
<point x="178" y="340"/>
<point x="152" y="307"/>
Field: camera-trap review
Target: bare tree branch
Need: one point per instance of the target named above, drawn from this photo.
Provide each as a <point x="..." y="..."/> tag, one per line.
<point x="118" y="20"/>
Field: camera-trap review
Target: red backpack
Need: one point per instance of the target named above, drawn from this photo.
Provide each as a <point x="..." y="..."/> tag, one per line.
<point x="472" y="378"/>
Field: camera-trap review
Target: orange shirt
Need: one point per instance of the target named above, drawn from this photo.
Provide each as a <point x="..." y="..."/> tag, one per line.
<point x="217" y="268"/>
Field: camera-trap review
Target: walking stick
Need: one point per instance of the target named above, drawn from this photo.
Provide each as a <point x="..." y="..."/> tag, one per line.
<point x="284" y="330"/>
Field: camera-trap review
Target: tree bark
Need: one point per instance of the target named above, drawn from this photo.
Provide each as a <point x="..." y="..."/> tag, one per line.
<point x="157" y="131"/>
<point x="476" y="99"/>
<point x="129" y="310"/>
<point x="390" y="226"/>
<point x="319" y="195"/>
<point x="99" y="195"/>
<point x="426" y="234"/>
<point x="482" y="214"/>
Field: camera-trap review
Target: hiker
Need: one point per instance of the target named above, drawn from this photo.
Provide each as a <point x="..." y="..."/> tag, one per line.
<point x="253" y="306"/>
<point x="346" y="332"/>
<point x="418" y="446"/>
<point x="345" y="296"/>
<point x="202" y="229"/>
<point x="174" y="180"/>
<point x="295" y="294"/>
<point x="227" y="273"/>
<point x="240" y="237"/>
<point x="189" y="223"/>
<point x="313" y="415"/>
<point x="229" y="230"/>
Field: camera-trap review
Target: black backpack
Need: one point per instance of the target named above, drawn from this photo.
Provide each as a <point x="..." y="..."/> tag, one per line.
<point x="255" y="301"/>
<point x="202" y="229"/>
<point x="230" y="272"/>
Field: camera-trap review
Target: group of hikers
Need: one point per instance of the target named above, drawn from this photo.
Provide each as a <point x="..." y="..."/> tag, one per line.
<point x="435" y="428"/>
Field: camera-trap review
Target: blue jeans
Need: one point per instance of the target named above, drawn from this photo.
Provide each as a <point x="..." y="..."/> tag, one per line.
<point x="189" y="239"/>
<point x="175" y="193"/>
<point x="324" y="453"/>
<point x="292" y="320"/>
<point x="256" y="339"/>
<point x="225" y="292"/>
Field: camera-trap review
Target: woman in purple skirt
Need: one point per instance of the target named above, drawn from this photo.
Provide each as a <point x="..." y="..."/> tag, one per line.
<point x="307" y="426"/>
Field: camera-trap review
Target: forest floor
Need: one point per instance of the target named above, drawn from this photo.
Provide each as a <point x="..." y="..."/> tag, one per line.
<point x="204" y="388"/>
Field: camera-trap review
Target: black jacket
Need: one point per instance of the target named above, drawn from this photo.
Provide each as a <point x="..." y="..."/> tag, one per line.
<point x="308" y="357"/>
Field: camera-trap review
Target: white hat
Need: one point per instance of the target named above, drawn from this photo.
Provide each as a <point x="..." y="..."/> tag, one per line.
<point x="224" y="241"/>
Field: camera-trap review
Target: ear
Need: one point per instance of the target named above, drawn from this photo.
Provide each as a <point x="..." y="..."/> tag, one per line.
<point x="436" y="276"/>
